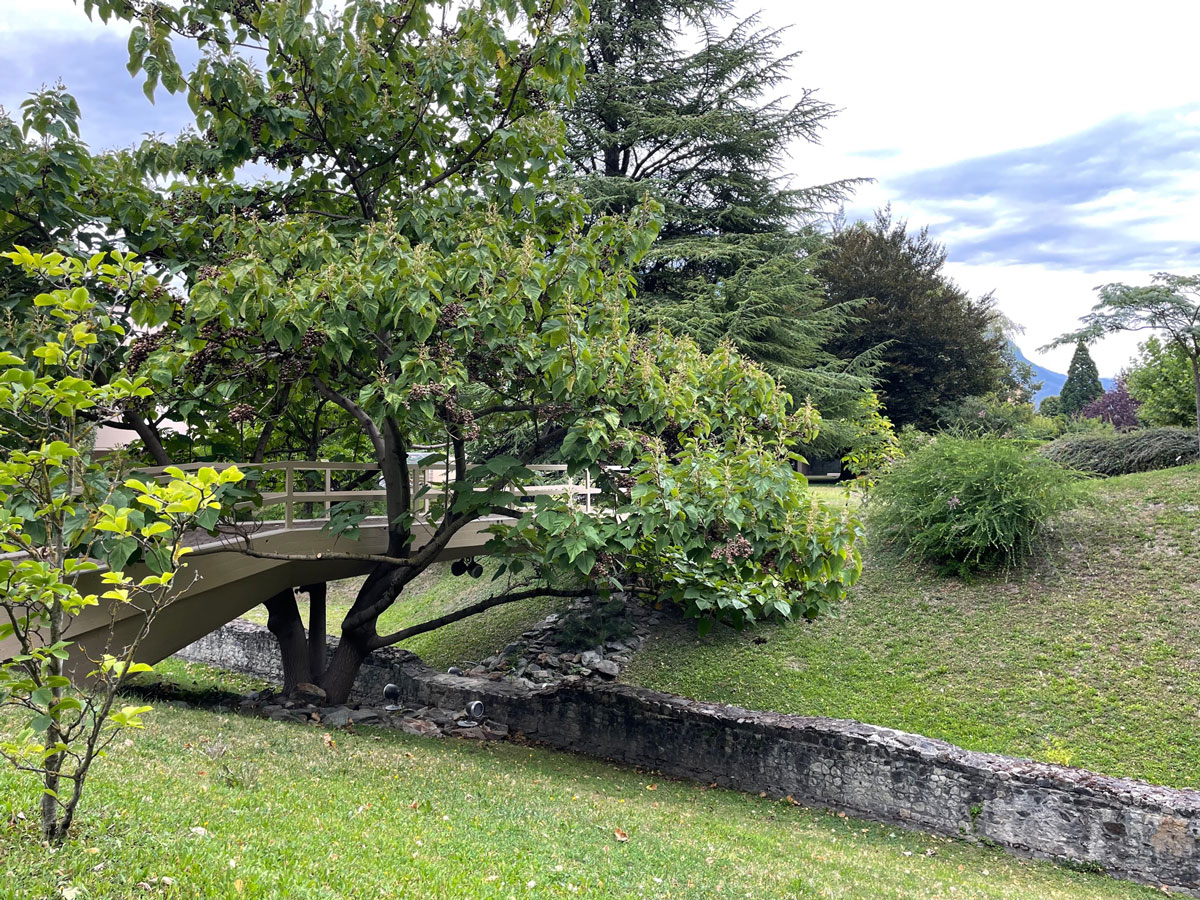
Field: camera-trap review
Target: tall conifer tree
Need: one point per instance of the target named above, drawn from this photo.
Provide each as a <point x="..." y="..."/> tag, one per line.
<point x="1083" y="382"/>
<point x="681" y="102"/>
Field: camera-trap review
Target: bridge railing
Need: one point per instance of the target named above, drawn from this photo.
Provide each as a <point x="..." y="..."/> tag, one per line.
<point x="294" y="494"/>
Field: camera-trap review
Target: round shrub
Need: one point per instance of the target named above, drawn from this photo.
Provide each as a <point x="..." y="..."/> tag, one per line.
<point x="969" y="504"/>
<point x="1121" y="454"/>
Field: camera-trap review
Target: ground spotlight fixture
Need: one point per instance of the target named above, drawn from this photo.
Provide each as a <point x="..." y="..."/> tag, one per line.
<point x="475" y="710"/>
<point x="454" y="670"/>
<point x="392" y="692"/>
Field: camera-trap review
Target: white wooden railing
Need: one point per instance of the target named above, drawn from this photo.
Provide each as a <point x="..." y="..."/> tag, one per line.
<point x="427" y="483"/>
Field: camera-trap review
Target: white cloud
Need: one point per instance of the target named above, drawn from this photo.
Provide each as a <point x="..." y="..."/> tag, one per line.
<point x="47" y="16"/>
<point x="925" y="85"/>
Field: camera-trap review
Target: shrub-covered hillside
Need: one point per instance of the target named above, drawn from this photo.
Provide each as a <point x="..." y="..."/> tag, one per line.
<point x="1089" y="659"/>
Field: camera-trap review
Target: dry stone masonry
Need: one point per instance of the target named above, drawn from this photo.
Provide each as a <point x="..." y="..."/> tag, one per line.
<point x="1127" y="828"/>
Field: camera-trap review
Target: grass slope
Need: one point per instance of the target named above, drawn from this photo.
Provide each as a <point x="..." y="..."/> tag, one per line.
<point x="435" y="593"/>
<point x="1091" y="660"/>
<point x="205" y="805"/>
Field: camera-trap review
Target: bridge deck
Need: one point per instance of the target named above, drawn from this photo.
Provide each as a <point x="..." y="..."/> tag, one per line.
<point x="221" y="583"/>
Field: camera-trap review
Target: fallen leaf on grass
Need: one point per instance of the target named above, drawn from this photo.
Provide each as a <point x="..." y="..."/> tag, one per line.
<point x="620" y="835"/>
<point x="329" y="741"/>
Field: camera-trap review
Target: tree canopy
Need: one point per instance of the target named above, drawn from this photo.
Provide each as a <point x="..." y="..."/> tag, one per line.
<point x="1160" y="380"/>
<point x="700" y="126"/>
<point x="939" y="345"/>
<point x="408" y="260"/>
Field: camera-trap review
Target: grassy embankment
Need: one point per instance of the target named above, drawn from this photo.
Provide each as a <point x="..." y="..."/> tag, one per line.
<point x="1089" y="659"/>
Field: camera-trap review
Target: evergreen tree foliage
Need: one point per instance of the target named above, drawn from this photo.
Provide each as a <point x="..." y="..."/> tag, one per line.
<point x="939" y="345"/>
<point x="1083" y="382"/>
<point x="697" y="125"/>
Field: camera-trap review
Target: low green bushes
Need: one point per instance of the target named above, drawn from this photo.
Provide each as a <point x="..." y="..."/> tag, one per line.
<point x="1123" y="454"/>
<point x="968" y="504"/>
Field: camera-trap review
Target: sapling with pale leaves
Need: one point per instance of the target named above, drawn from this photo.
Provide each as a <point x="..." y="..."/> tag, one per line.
<point x="70" y="523"/>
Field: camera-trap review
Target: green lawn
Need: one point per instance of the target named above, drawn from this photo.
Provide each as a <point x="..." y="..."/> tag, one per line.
<point x="434" y="593"/>
<point x="228" y="807"/>
<point x="1091" y="660"/>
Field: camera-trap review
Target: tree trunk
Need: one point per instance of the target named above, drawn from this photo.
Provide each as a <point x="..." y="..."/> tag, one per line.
<point x="317" y="644"/>
<point x="283" y="621"/>
<point x="352" y="649"/>
<point x="338" y="679"/>
<point x="1196" y="388"/>
<point x="149" y="436"/>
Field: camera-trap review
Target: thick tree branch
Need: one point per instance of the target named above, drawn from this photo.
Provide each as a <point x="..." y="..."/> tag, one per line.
<point x="474" y="609"/>
<point x="149" y="435"/>
<point x="367" y="423"/>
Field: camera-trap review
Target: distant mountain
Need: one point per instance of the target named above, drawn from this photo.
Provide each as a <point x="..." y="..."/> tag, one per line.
<point x="1052" y="382"/>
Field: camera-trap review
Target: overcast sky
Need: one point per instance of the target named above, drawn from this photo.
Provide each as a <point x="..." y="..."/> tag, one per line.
<point x="1052" y="145"/>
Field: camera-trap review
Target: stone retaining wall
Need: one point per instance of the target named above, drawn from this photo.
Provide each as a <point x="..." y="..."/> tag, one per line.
<point x="1128" y="828"/>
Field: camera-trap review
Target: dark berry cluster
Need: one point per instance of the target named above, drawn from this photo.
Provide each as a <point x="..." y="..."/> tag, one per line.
<point x="450" y="315"/>
<point x="141" y="348"/>
<point x="460" y="419"/>
<point x="442" y="350"/>
<point x="243" y="412"/>
<point x="604" y="564"/>
<point x="183" y="204"/>
<point x="312" y="340"/>
<point x="244" y="11"/>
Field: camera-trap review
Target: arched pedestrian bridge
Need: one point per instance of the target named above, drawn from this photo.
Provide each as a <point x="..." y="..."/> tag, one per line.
<point x="221" y="582"/>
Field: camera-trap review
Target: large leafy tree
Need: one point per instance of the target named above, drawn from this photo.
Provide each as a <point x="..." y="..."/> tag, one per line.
<point x="1169" y="305"/>
<point x="1160" y="380"/>
<point x="58" y="196"/>
<point x="1083" y="382"/>
<point x="939" y="344"/>
<point x="407" y="261"/>
<point x="682" y="101"/>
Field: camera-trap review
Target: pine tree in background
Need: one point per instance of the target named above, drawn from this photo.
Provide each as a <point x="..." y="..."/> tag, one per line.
<point x="679" y="102"/>
<point x="1083" y="382"/>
